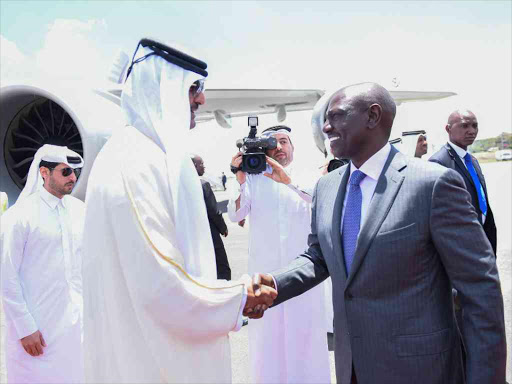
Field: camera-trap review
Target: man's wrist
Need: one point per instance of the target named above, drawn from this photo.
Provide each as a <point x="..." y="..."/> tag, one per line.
<point x="235" y="170"/>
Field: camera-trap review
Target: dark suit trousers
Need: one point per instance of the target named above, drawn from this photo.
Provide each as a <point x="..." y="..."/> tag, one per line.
<point x="223" y="269"/>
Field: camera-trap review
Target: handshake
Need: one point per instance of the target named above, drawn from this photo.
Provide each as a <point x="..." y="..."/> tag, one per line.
<point x="261" y="293"/>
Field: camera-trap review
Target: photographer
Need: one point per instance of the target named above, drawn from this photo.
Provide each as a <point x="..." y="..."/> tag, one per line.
<point x="289" y="344"/>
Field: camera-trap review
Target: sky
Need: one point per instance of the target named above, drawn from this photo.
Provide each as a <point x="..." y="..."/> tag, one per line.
<point x="457" y="46"/>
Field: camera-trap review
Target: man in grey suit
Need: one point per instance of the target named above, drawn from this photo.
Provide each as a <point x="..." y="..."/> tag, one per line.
<point x="395" y="233"/>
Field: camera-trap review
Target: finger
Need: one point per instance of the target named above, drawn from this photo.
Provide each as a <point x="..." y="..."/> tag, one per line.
<point x="273" y="163"/>
<point x="27" y="349"/>
<point x="43" y="343"/>
<point x="247" y="312"/>
<point x="39" y="348"/>
<point x="32" y="352"/>
<point x="269" y="175"/>
<point x="256" y="284"/>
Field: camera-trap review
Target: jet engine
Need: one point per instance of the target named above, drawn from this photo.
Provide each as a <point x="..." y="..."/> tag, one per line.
<point x="31" y="116"/>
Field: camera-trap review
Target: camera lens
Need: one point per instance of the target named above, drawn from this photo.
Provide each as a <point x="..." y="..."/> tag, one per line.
<point x="254" y="162"/>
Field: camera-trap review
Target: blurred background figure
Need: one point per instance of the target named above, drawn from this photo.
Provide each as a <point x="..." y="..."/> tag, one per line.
<point x="414" y="143"/>
<point x="224" y="180"/>
<point x="4" y="202"/>
<point x="217" y="224"/>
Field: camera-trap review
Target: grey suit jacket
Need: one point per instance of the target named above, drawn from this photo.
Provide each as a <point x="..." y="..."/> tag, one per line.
<point x="447" y="157"/>
<point x="393" y="314"/>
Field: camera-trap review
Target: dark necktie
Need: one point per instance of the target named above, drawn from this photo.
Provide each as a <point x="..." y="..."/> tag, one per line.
<point x="479" y="189"/>
<point x="352" y="218"/>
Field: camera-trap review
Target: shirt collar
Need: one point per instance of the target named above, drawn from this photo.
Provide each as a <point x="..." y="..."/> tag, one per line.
<point x="374" y="165"/>
<point x="51" y="200"/>
<point x="461" y="152"/>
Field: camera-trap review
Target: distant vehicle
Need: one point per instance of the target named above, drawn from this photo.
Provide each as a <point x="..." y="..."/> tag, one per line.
<point x="492" y="149"/>
<point x="504" y="154"/>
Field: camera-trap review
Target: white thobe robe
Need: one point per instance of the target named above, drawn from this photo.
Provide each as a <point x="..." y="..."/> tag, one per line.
<point x="41" y="241"/>
<point x="289" y="345"/>
<point x="145" y="319"/>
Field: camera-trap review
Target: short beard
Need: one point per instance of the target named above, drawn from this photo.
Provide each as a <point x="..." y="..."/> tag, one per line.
<point x="56" y="188"/>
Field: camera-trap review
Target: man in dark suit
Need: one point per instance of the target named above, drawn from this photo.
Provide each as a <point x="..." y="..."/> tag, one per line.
<point x="395" y="233"/>
<point x="462" y="128"/>
<point x="217" y="223"/>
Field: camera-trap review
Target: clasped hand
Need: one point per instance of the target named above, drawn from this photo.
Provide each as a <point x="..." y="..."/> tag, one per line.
<point x="261" y="294"/>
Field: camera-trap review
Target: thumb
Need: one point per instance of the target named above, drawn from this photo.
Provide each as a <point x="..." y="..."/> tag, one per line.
<point x="256" y="283"/>
<point x="269" y="175"/>
<point x="41" y="338"/>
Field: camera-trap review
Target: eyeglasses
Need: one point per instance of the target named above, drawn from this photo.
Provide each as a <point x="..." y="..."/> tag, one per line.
<point x="197" y="88"/>
<point x="68" y="171"/>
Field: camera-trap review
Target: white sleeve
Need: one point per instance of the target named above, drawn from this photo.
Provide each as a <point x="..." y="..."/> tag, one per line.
<point x="13" y="236"/>
<point x="158" y="286"/>
<point x="304" y="194"/>
<point x="245" y="202"/>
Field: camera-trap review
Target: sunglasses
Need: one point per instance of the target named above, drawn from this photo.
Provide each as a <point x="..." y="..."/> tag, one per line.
<point x="68" y="171"/>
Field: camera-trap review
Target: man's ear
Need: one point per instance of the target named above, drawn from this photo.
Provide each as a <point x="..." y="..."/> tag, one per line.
<point x="447" y="128"/>
<point x="45" y="172"/>
<point x="374" y="115"/>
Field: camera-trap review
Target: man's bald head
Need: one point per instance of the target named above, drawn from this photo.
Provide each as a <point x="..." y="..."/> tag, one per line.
<point x="459" y="115"/>
<point x="198" y="163"/>
<point x="462" y="128"/>
<point x="360" y="118"/>
<point x="368" y="94"/>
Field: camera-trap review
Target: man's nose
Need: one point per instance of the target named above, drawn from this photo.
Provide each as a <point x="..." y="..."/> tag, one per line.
<point x="278" y="145"/>
<point x="73" y="176"/>
<point x="200" y="99"/>
<point x="327" y="127"/>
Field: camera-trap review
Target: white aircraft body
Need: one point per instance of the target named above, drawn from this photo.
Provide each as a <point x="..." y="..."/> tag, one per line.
<point x="83" y="119"/>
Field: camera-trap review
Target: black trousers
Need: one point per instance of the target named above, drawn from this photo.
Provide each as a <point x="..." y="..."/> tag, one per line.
<point x="221" y="258"/>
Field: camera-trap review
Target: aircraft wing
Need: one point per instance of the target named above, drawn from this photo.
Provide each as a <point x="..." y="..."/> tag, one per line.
<point x="407" y="96"/>
<point x="223" y="104"/>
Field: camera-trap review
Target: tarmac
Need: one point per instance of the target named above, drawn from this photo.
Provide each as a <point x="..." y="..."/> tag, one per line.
<point x="499" y="185"/>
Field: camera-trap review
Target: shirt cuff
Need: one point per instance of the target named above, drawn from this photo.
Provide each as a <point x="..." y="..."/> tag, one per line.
<point x="275" y="283"/>
<point x="240" y="321"/>
<point x="25" y="326"/>
<point x="304" y="195"/>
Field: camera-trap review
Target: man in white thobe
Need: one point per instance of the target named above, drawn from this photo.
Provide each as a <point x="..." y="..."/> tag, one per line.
<point x="413" y="144"/>
<point x="154" y="311"/>
<point x="290" y="344"/>
<point x="41" y="237"/>
<point x="4" y="202"/>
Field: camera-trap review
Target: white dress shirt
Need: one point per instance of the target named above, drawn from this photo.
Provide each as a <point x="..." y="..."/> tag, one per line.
<point x="41" y="263"/>
<point x="461" y="153"/>
<point x="41" y="287"/>
<point x="372" y="168"/>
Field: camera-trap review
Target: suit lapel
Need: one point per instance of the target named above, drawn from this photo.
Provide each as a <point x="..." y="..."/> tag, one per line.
<point x="336" y="218"/>
<point x="388" y="185"/>
<point x="458" y="163"/>
<point x="478" y="171"/>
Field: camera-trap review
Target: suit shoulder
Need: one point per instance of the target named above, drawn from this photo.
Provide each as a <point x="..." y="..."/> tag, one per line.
<point x="440" y="156"/>
<point x="332" y="176"/>
<point x="205" y="185"/>
<point x="429" y="171"/>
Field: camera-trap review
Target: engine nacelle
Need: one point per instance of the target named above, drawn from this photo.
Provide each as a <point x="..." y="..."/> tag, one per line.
<point x="31" y="116"/>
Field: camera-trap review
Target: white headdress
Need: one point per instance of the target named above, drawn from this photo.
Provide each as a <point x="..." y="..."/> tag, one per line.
<point x="155" y="101"/>
<point x="52" y="154"/>
<point x="409" y="142"/>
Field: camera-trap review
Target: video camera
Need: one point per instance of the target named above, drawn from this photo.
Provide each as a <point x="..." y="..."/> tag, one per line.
<point x="253" y="148"/>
